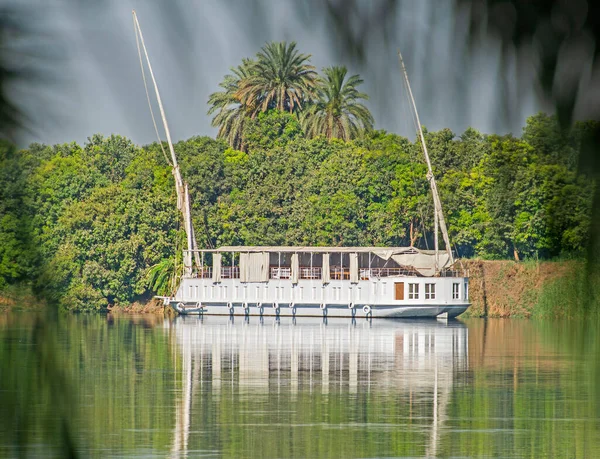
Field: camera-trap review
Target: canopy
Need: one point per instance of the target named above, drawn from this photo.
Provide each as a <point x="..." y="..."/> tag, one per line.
<point x="422" y="261"/>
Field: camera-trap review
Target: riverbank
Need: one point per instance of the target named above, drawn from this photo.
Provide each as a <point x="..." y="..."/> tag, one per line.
<point x="20" y="298"/>
<point x="499" y="288"/>
<point x="154" y="306"/>
<point x="505" y="288"/>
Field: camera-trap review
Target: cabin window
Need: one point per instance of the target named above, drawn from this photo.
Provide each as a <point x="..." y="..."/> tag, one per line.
<point x="466" y="291"/>
<point x="413" y="291"/>
<point x="430" y="291"/>
<point x="455" y="291"/>
<point x="399" y="288"/>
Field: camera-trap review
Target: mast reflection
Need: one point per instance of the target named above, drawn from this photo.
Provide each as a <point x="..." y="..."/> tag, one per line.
<point x="418" y="359"/>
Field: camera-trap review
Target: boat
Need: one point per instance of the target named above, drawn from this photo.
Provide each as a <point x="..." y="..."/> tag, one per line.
<point x="280" y="281"/>
<point x="320" y="281"/>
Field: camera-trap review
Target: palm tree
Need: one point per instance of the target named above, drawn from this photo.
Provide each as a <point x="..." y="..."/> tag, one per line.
<point x="231" y="113"/>
<point x="281" y="78"/>
<point x="338" y="112"/>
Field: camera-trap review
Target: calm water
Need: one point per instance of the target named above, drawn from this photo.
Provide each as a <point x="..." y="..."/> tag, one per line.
<point x="144" y="387"/>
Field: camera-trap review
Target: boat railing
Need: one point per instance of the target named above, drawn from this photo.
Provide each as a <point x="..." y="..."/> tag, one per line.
<point x="280" y="273"/>
<point x="230" y="272"/>
<point x="337" y="273"/>
<point x="310" y="273"/>
<point x="204" y="272"/>
<point x="305" y="272"/>
<point x="227" y="272"/>
<point x="385" y="272"/>
<point x="455" y="273"/>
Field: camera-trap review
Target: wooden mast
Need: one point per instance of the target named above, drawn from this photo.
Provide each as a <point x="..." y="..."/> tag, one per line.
<point x="183" y="199"/>
<point x="437" y="204"/>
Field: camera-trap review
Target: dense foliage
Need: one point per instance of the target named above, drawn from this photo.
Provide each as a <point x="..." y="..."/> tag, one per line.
<point x="337" y="112"/>
<point x="281" y="78"/>
<point x="89" y="225"/>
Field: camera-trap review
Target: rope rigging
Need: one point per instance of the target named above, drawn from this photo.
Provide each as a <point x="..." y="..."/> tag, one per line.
<point x="137" y="42"/>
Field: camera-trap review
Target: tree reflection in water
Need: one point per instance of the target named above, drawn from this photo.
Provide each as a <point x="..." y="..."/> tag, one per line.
<point x="507" y="388"/>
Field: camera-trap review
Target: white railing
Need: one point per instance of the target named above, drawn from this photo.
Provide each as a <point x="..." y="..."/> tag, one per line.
<point x="337" y="273"/>
<point x="204" y="272"/>
<point x="386" y="272"/>
<point x="310" y="273"/>
<point x="280" y="273"/>
<point x="230" y="272"/>
<point x="455" y="273"/>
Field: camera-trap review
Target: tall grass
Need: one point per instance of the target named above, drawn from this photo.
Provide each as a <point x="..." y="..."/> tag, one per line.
<point x="577" y="294"/>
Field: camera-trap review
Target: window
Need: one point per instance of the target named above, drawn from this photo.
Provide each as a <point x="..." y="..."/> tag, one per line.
<point x="430" y="291"/>
<point x="455" y="291"/>
<point x="413" y="291"/>
<point x="466" y="290"/>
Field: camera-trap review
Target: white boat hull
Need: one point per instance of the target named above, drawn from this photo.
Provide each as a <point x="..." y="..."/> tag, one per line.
<point x="371" y="298"/>
<point x="318" y="310"/>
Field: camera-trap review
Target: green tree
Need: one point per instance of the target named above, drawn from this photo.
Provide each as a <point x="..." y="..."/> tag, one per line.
<point x="230" y="113"/>
<point x="337" y="112"/>
<point x="17" y="254"/>
<point x="552" y="144"/>
<point x="280" y="78"/>
<point x="202" y="161"/>
<point x="507" y="160"/>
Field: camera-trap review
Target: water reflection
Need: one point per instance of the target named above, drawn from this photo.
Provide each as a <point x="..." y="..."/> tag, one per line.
<point x="413" y="360"/>
<point x="142" y="386"/>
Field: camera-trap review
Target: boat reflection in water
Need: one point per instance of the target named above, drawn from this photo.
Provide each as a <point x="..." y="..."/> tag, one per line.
<point x="261" y="360"/>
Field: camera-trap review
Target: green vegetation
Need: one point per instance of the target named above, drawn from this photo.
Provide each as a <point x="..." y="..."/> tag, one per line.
<point x="560" y="287"/>
<point x="105" y="386"/>
<point x="282" y="79"/>
<point x="95" y="225"/>
<point x="337" y="112"/>
<point x="295" y="162"/>
<point x="73" y="383"/>
<point x="574" y="295"/>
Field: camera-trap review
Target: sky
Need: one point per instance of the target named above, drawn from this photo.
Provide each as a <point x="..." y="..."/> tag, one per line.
<point x="92" y="81"/>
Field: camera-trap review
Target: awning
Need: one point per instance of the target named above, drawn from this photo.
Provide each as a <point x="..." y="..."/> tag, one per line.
<point x="423" y="261"/>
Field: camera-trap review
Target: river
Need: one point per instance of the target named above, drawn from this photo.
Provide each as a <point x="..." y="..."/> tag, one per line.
<point x="104" y="386"/>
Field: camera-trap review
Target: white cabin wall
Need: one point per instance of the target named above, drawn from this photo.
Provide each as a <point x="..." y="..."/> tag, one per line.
<point x="372" y="292"/>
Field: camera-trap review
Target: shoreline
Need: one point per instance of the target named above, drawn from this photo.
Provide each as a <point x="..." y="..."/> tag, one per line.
<point x="497" y="289"/>
<point x="153" y="306"/>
